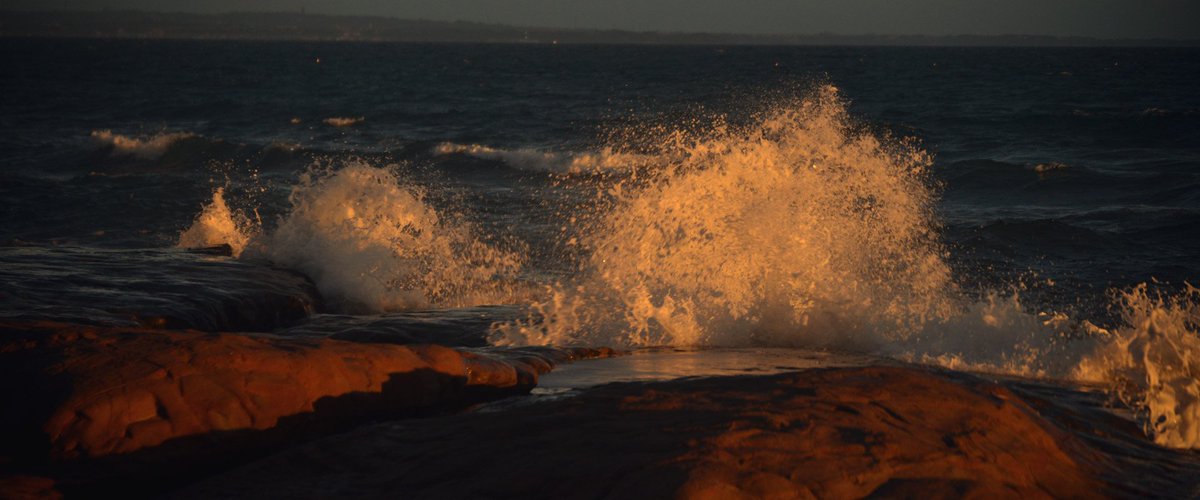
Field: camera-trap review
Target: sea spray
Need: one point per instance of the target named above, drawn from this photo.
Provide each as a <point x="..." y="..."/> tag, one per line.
<point x="370" y="242"/>
<point x="798" y="230"/>
<point x="1152" y="362"/>
<point x="999" y="333"/>
<point x="801" y="230"/>
<point x="218" y="225"/>
<point x="795" y="230"/>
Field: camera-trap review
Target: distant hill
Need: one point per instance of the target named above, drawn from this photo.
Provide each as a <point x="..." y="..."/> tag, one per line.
<point x="316" y="27"/>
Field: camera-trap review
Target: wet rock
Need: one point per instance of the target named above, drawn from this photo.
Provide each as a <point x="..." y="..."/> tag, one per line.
<point x="840" y="433"/>
<point x="90" y="397"/>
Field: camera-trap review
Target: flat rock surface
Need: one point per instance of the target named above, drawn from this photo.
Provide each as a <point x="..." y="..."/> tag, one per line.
<point x="825" y="433"/>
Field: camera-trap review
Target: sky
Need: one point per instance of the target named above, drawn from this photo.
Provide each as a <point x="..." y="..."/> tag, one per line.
<point x="1092" y="18"/>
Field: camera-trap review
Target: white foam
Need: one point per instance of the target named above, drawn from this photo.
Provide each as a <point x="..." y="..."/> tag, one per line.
<point x="372" y="244"/>
<point x="343" y="121"/>
<point x="794" y="231"/>
<point x="605" y="160"/>
<point x="145" y="148"/>
<point x="218" y="225"/>
<point x="1152" y="362"/>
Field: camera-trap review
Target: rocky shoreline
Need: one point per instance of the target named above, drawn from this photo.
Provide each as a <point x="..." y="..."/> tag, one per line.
<point x="823" y="433"/>
<point x="101" y="411"/>
<point x="92" y="407"/>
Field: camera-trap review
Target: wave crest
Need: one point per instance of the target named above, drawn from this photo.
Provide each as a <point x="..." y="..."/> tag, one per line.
<point x="606" y="160"/>
<point x="218" y="225"/>
<point x="343" y="121"/>
<point x="144" y="148"/>
<point x="1152" y="362"/>
<point x="370" y="243"/>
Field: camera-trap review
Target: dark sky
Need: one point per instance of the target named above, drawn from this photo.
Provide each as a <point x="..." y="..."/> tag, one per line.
<point x="1095" y="18"/>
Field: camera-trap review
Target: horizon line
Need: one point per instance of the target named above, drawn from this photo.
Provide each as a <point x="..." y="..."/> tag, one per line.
<point x="765" y="37"/>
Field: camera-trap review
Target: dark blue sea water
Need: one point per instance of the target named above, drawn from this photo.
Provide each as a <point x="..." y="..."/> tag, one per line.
<point x="1080" y="166"/>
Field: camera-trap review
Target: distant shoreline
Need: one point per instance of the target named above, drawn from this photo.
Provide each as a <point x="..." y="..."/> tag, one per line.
<point x="285" y="26"/>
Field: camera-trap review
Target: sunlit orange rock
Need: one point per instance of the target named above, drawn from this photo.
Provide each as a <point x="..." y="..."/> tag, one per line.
<point x="74" y="391"/>
<point x="830" y="433"/>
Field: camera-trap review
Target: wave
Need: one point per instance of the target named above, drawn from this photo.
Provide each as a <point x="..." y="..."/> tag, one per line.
<point x="1149" y="359"/>
<point x="370" y="243"/>
<point x="184" y="151"/>
<point x="218" y="225"/>
<point x="344" y="121"/>
<point x="144" y="148"/>
<point x="801" y="230"/>
<point x="1040" y="236"/>
<point x="781" y="232"/>
<point x="1045" y="168"/>
<point x="598" y="162"/>
<point x="1152" y="362"/>
<point x="990" y="174"/>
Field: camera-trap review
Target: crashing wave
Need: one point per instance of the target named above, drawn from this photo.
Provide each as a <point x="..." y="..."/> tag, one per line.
<point x="370" y="243"/>
<point x="803" y="231"/>
<point x="1152" y="362"/>
<point x="796" y="230"/>
<point x="218" y="225"/>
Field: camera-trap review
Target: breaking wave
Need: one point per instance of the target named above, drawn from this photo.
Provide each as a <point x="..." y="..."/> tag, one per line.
<point x="218" y="225"/>
<point x="795" y="230"/>
<point x="370" y="243"/>
<point x="803" y="230"/>
<point x="343" y="121"/>
<point x="1152" y="362"/>
<point x="799" y="229"/>
<point x="144" y="148"/>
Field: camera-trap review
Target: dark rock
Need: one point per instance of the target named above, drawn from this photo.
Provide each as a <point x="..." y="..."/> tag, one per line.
<point x="840" y="433"/>
<point x="90" y="405"/>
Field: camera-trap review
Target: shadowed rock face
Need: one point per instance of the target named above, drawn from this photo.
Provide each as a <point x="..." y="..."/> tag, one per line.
<point x="83" y="395"/>
<point x="830" y="433"/>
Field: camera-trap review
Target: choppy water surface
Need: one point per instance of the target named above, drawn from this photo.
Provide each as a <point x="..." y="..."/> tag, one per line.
<point x="1029" y="212"/>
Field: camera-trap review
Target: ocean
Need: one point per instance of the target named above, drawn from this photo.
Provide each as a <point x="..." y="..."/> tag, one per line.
<point x="1030" y="212"/>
